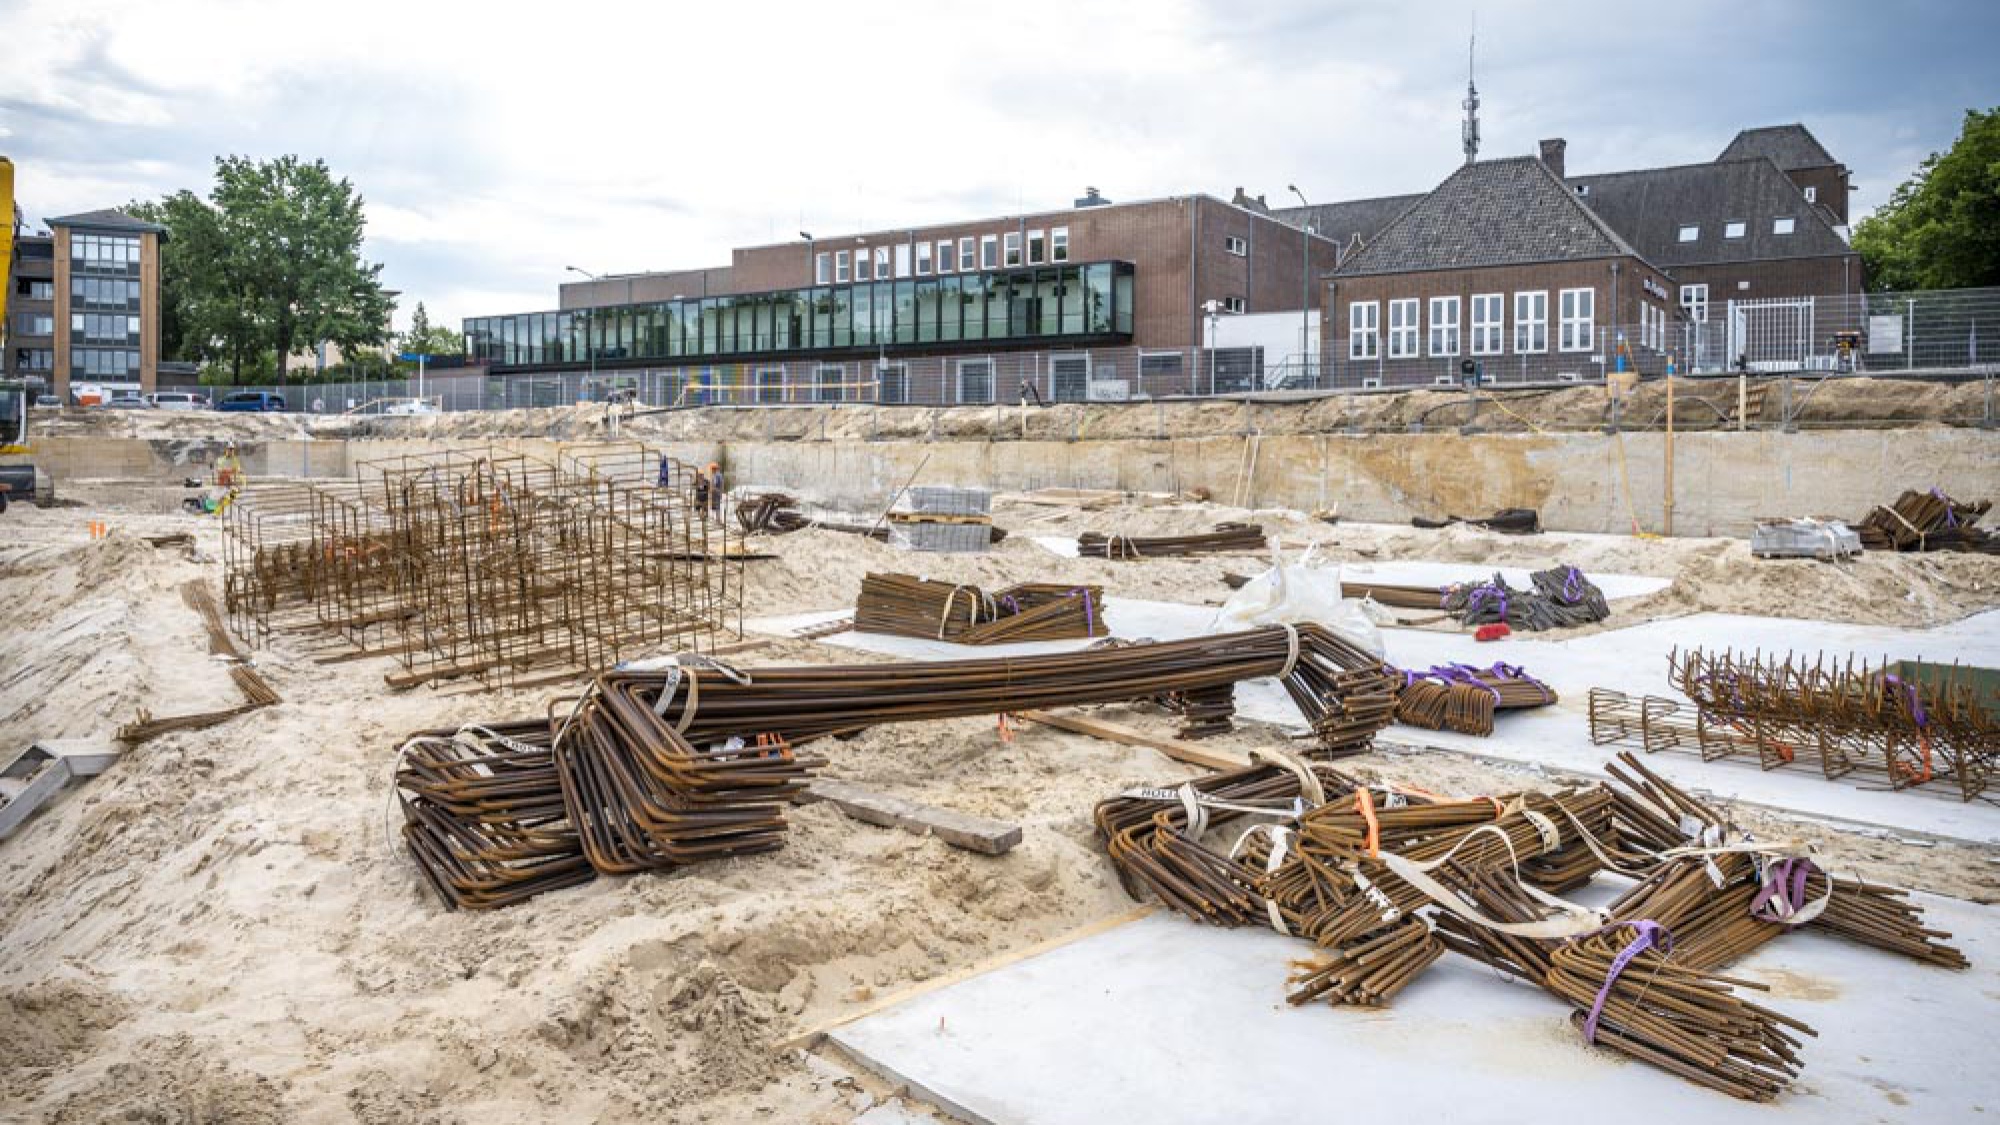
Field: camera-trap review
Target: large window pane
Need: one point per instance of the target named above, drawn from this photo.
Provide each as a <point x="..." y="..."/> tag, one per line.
<point x="843" y="322"/>
<point x="997" y="306"/>
<point x="864" y="314"/>
<point x="906" y="312"/>
<point x="951" y="309"/>
<point x="1073" y="295"/>
<point x="1097" y="302"/>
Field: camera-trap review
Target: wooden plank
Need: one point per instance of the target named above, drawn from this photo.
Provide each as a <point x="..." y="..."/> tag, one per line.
<point x="1178" y="749"/>
<point x="808" y="1038"/>
<point x="960" y="830"/>
<point x="937" y="517"/>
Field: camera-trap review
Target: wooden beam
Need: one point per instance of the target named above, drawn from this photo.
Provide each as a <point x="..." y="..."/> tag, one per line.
<point x="960" y="830"/>
<point x="1179" y="749"/>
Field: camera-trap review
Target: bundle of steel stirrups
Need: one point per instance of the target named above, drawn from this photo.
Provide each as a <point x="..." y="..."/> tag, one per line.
<point x="1507" y="521"/>
<point x="906" y="606"/>
<point x="257" y="692"/>
<point x="488" y="563"/>
<point x="1840" y="717"/>
<point x="1926" y="521"/>
<point x="1459" y="697"/>
<point x="1227" y="537"/>
<point x="1385" y="881"/>
<point x="696" y="760"/>
<point x="1561" y="597"/>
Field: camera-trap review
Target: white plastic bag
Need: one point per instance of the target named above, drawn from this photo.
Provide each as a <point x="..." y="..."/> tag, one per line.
<point x="1296" y="594"/>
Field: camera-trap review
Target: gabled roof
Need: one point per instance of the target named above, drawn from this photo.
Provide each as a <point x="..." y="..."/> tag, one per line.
<point x="107" y="219"/>
<point x="1490" y="213"/>
<point x="1787" y="146"/>
<point x="1345" y="221"/>
<point x="1649" y="207"/>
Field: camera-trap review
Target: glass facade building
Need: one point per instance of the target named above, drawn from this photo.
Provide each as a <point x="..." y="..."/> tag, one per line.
<point x="1074" y="303"/>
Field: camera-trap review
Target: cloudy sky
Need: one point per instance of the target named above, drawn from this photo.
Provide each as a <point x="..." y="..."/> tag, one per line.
<point x="498" y="142"/>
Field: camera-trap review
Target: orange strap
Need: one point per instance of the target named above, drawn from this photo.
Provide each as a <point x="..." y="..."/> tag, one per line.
<point x="1499" y="810"/>
<point x="1364" y="803"/>
<point x="1006" y="732"/>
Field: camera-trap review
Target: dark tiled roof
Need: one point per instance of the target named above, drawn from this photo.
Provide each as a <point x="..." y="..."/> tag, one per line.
<point x="1491" y="213"/>
<point x="107" y="219"/>
<point x="1344" y="222"/>
<point x="1787" y="146"/>
<point x="1648" y="207"/>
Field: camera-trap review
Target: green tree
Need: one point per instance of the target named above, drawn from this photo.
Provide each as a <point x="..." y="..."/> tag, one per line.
<point x="1941" y="228"/>
<point x="424" y="338"/>
<point x="270" y="262"/>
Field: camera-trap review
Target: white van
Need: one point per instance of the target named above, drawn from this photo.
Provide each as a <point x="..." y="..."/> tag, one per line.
<point x="177" y="400"/>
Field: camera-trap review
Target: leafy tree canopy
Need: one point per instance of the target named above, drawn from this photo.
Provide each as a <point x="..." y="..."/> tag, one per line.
<point x="1941" y="228"/>
<point x="424" y="338"/>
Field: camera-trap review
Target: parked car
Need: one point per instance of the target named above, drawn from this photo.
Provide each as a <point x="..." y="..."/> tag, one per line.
<point x="129" y="401"/>
<point x="178" y="400"/>
<point x="47" y="402"/>
<point x="254" y="402"/>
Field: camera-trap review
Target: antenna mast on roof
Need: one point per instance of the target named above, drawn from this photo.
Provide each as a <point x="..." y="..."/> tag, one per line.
<point x="1469" y="132"/>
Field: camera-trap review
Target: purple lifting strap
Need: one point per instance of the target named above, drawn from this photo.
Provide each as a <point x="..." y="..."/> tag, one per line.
<point x="1572" y="585"/>
<point x="1089" y="613"/>
<point x="1917" y="711"/>
<point x="1652" y="935"/>
<point x="1950" y="517"/>
<point x="1784" y="891"/>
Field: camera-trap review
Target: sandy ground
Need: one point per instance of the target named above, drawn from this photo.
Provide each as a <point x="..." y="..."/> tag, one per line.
<point x="219" y="929"/>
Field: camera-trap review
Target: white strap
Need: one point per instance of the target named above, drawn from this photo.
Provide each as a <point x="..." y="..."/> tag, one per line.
<point x="1309" y="783"/>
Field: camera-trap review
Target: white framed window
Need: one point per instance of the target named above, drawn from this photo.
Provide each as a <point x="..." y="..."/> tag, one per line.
<point x="1372" y="382"/>
<point x="1011" y="246"/>
<point x="923" y="259"/>
<point x="968" y="254"/>
<point x="1403" y="328"/>
<point x="1233" y="305"/>
<point x="1038" y="247"/>
<point x="989" y="251"/>
<point x="1489" y="326"/>
<point x="1579" y="314"/>
<point x="1694" y="298"/>
<point x="822" y="268"/>
<point x="829" y="383"/>
<point x="861" y="265"/>
<point x="1734" y="228"/>
<point x="840" y="268"/>
<point x="902" y="260"/>
<point x="975" y="380"/>
<point x="1531" y="322"/>
<point x="1364" y="325"/>
<point x="1783" y="226"/>
<point x="882" y="263"/>
<point x="1443" y="380"/>
<point x="770" y="384"/>
<point x="1812" y="195"/>
<point x="1444" y="325"/>
<point x="1236" y="246"/>
<point x="944" y="256"/>
<point x="1690" y="232"/>
<point x="1059" y="244"/>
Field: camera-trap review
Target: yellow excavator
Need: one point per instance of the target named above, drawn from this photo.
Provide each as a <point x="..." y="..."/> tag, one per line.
<point x="17" y="478"/>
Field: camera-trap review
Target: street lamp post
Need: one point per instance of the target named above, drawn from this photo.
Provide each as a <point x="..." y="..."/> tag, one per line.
<point x="589" y="345"/>
<point x="1305" y="282"/>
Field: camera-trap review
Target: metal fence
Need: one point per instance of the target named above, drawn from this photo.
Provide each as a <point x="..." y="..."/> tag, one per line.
<point x="1881" y="333"/>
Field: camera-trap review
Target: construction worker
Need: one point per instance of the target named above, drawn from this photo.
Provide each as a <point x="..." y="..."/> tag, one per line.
<point x="228" y="470"/>
<point x="708" y="488"/>
<point x="666" y="471"/>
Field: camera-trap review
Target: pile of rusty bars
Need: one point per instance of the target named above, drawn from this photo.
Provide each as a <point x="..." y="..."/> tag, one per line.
<point x="257" y="692"/>
<point x="1927" y="521"/>
<point x="1225" y="539"/>
<point x="653" y="769"/>
<point x="487" y="563"/>
<point x="1561" y="598"/>
<point x="1459" y="697"/>
<point x="1384" y="881"/>
<point x="906" y="606"/>
<point x="1909" y="728"/>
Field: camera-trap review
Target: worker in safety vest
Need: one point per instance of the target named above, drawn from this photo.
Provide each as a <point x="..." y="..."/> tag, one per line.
<point x="708" y="488"/>
<point x="228" y="470"/>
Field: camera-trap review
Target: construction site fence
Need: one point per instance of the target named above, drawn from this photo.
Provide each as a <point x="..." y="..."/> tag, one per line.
<point x="1939" y="334"/>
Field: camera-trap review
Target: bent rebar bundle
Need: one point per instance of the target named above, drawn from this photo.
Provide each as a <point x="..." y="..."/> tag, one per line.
<point x="659" y="768"/>
<point x="1384" y="881"/>
<point x="1561" y="598"/>
<point x="487" y="564"/>
<point x="906" y="606"/>
<point x="1927" y="521"/>
<point x="1459" y="697"/>
<point x="1841" y="717"/>
<point x="1227" y="537"/>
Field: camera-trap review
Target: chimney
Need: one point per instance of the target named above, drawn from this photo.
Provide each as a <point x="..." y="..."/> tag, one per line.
<point x="1552" y="154"/>
<point x="1091" y="198"/>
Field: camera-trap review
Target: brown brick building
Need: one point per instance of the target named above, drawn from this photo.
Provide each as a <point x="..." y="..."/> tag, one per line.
<point x="85" y="306"/>
<point x="1100" y="292"/>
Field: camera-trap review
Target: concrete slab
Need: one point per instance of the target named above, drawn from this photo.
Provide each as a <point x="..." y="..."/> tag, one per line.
<point x="1166" y="1022"/>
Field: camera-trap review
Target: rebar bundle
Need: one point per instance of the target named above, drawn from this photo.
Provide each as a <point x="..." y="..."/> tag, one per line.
<point x="1227" y="537"/>
<point x="488" y="564"/>
<point x="1459" y="697"/>
<point x="906" y="606"/>
<point x="1841" y="717"/>
<point x="1927" y="521"/>
<point x="1560" y="598"/>
<point x="1507" y="521"/>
